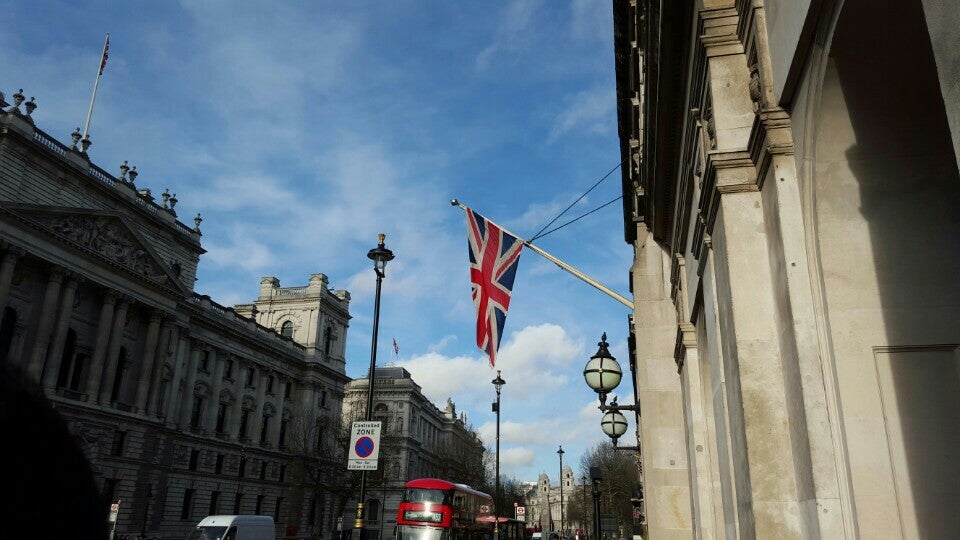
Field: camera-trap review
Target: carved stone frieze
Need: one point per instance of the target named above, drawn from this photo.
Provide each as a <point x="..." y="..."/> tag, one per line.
<point x="108" y="238"/>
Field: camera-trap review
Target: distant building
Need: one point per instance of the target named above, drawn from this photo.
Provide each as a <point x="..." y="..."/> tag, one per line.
<point x="791" y="192"/>
<point x="184" y="407"/>
<point x="543" y="502"/>
<point x="418" y="440"/>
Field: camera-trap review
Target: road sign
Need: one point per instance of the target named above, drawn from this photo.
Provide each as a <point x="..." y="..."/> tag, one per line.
<point x="114" y="510"/>
<point x="521" y="511"/>
<point x="364" y="446"/>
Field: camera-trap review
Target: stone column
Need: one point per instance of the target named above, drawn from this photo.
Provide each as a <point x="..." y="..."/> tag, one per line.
<point x="45" y="323"/>
<point x="186" y="400"/>
<point x="92" y="384"/>
<point x="698" y="446"/>
<point x="146" y="364"/>
<point x="156" y="377"/>
<point x="7" y="265"/>
<point x="254" y="429"/>
<point x="55" y="352"/>
<point x="182" y="356"/>
<point x="236" y="410"/>
<point x="665" y="467"/>
<point x="210" y="419"/>
<point x="273" y="437"/>
<point x="113" y="351"/>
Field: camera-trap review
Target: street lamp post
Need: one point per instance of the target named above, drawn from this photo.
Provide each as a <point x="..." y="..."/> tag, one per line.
<point x="602" y="374"/>
<point x="380" y="256"/>
<point x="560" y="453"/>
<point x="583" y="521"/>
<point x="596" y="475"/>
<point x="497" y="383"/>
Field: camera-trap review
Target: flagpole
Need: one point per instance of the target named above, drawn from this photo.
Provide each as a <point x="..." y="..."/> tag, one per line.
<point x="585" y="278"/>
<point x="96" y="84"/>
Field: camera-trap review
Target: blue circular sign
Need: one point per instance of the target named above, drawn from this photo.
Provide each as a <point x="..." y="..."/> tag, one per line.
<point x="364" y="447"/>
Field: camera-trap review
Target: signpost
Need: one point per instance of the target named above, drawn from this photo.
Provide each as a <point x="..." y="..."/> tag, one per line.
<point x="114" y="512"/>
<point x="521" y="512"/>
<point x="364" y="446"/>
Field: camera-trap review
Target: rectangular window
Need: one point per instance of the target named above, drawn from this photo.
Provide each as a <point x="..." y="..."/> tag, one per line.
<point x="263" y="470"/>
<point x="259" y="506"/>
<point x="242" y="469"/>
<point x="194" y="459"/>
<point x="244" y="420"/>
<point x="270" y="384"/>
<point x="214" y="503"/>
<point x="205" y="361"/>
<point x="276" y="511"/>
<point x="116" y="447"/>
<point x="264" y="429"/>
<point x="187" y="504"/>
<point x="251" y="373"/>
<point x="221" y="416"/>
<point x="109" y="488"/>
<point x="220" y="458"/>
<point x="236" y="503"/>
<point x="283" y="433"/>
<point x="323" y="398"/>
<point x="197" y="412"/>
<point x="283" y="473"/>
<point x="287" y="390"/>
<point x="228" y="369"/>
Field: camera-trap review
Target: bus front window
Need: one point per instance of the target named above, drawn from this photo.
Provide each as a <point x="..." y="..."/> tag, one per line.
<point x="407" y="532"/>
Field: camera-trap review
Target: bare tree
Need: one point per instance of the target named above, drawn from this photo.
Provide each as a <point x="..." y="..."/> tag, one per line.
<point x="621" y="480"/>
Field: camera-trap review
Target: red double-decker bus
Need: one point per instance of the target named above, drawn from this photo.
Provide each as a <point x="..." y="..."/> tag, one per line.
<point x="433" y="509"/>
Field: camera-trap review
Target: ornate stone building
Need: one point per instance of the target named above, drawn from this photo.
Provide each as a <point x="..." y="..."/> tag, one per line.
<point x="791" y="189"/>
<point x="543" y="503"/>
<point x="418" y="440"/>
<point x="184" y="407"/>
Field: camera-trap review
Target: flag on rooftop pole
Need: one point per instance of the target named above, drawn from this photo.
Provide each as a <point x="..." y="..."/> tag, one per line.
<point x="494" y="257"/>
<point x="96" y="83"/>
<point x="396" y="348"/>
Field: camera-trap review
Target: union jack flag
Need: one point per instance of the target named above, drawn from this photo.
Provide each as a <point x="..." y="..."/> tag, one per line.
<point x="106" y="53"/>
<point x="494" y="256"/>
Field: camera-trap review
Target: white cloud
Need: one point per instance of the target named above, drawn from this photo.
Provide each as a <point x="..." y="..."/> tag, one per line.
<point x="510" y="31"/>
<point x="590" y="111"/>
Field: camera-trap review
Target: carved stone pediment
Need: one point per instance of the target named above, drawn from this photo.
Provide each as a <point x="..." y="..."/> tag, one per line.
<point x="103" y="234"/>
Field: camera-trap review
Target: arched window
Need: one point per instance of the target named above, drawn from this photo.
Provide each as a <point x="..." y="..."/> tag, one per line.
<point x="286" y="329"/>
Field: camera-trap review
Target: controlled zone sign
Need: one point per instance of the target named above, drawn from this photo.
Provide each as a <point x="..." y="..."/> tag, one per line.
<point x="364" y="446"/>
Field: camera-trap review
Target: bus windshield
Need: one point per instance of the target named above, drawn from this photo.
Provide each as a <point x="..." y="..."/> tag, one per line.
<point x="425" y="495"/>
<point x="406" y="532"/>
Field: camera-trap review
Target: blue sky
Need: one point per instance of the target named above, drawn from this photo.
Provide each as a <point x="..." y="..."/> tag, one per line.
<point x="300" y="130"/>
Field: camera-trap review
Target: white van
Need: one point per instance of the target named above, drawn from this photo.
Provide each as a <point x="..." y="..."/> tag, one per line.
<point x="234" y="528"/>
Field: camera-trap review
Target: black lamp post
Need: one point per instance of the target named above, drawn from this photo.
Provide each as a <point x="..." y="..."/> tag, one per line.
<point x="497" y="383"/>
<point x="596" y="475"/>
<point x="583" y="521"/>
<point x="560" y="453"/>
<point x="380" y="256"/>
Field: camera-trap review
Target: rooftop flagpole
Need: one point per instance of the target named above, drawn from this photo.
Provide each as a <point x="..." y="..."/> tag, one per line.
<point x="96" y="84"/>
<point x="585" y="278"/>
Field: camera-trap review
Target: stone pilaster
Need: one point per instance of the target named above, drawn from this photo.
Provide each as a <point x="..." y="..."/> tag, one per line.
<point x="182" y="357"/>
<point x="236" y="408"/>
<point x="101" y="341"/>
<point x="7" y="265"/>
<point x="55" y="352"/>
<point x="273" y="437"/>
<point x="156" y="377"/>
<point x="257" y="420"/>
<point x="662" y="440"/>
<point x="216" y="385"/>
<point x="45" y="323"/>
<point x="186" y="400"/>
<point x="146" y="364"/>
<point x="113" y="351"/>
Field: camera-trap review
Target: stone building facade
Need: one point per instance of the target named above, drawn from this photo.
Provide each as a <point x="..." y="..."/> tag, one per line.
<point x="543" y="503"/>
<point x="418" y="440"/>
<point x="184" y="407"/>
<point x="791" y="188"/>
